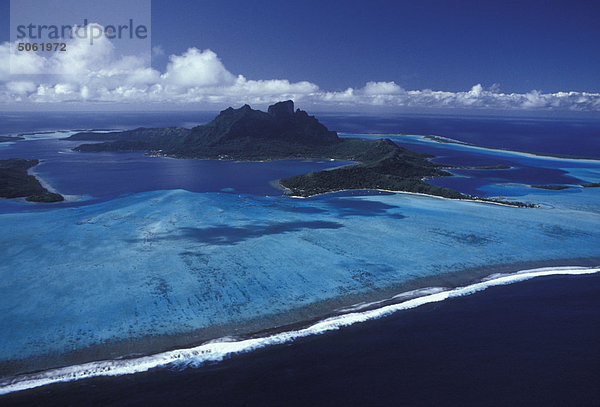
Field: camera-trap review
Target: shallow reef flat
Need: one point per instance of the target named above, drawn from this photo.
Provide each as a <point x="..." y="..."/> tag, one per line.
<point x="174" y="262"/>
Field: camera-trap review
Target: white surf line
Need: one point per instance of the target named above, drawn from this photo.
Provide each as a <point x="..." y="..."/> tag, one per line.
<point x="48" y="135"/>
<point x="218" y="350"/>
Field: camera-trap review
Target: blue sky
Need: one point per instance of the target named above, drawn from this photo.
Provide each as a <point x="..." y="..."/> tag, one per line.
<point x="446" y="45"/>
<point x="345" y="54"/>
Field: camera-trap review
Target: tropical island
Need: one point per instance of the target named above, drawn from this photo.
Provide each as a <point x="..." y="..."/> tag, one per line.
<point x="282" y="133"/>
<point x="16" y="182"/>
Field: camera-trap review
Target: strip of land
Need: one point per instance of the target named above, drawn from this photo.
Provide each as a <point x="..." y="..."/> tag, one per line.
<point x="8" y="139"/>
<point x="16" y="182"/>
<point x="551" y="187"/>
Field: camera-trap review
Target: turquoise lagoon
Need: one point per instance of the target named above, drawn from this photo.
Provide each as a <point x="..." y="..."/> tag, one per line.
<point x="170" y="262"/>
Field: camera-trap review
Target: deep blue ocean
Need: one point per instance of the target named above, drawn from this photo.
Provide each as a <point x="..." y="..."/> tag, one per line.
<point x="551" y="135"/>
<point x="533" y="343"/>
<point x="529" y="343"/>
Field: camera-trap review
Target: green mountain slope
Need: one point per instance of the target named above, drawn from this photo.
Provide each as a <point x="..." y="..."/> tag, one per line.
<point x="280" y="133"/>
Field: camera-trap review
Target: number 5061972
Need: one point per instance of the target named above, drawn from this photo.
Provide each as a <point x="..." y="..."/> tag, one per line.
<point x="42" y="46"/>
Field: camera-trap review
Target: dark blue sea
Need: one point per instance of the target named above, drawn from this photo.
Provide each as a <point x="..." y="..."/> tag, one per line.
<point x="533" y="343"/>
<point x="552" y="135"/>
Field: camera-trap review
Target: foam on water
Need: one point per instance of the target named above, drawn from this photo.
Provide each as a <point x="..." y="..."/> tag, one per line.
<point x="458" y="145"/>
<point x="217" y="350"/>
<point x="399" y="297"/>
<point x="49" y="135"/>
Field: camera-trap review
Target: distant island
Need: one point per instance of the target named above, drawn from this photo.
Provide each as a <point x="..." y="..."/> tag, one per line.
<point x="8" y="139"/>
<point x="282" y="133"/>
<point x="16" y="182"/>
<point x="551" y="187"/>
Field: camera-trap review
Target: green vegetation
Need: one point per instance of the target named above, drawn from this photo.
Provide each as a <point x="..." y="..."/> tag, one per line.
<point x="15" y="182"/>
<point x="282" y="133"/>
<point x="550" y="187"/>
<point x="237" y="134"/>
<point x="384" y="166"/>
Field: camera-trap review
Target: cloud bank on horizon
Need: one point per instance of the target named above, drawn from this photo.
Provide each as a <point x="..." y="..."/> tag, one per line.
<point x="94" y="75"/>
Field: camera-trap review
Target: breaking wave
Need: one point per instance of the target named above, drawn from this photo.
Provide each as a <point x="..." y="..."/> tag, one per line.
<point x="217" y="350"/>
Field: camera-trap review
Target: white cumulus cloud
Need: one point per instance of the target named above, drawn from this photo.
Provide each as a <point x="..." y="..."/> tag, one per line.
<point x="95" y="74"/>
<point x="197" y="69"/>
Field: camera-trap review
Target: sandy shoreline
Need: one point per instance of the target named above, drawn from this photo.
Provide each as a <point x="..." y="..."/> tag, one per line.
<point x="41" y="180"/>
<point x="292" y="320"/>
<point x="49" y="187"/>
<point x="287" y="192"/>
